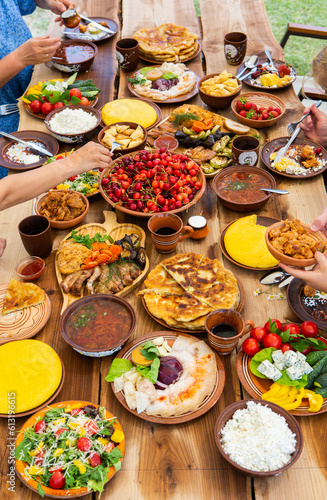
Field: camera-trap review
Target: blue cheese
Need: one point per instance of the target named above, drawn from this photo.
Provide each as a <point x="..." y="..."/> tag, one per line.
<point x="269" y="370"/>
<point x="279" y="360"/>
<point x="294" y="372"/>
<point x="290" y="358"/>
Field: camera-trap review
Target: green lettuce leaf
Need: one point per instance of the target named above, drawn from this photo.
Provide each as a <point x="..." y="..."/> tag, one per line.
<point x="150" y="372"/>
<point x="118" y="367"/>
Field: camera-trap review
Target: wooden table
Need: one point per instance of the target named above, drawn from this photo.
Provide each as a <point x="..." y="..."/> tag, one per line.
<point x="182" y="461"/>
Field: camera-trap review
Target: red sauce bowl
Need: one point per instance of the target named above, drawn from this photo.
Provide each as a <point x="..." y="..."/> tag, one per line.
<point x="166" y="141"/>
<point x="30" y="268"/>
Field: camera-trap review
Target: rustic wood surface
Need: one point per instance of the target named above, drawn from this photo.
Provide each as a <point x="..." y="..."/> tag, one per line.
<point x="182" y="461"/>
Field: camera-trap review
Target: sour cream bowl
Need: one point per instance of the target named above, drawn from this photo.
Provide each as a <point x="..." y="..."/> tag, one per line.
<point x="70" y="124"/>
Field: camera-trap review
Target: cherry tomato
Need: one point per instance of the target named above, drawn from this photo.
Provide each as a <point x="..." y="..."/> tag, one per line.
<point x="91" y="427"/>
<point x="76" y="411"/>
<point x="57" y="480"/>
<point x="309" y="329"/>
<point x="286" y="347"/>
<point x="58" y="104"/>
<point x="84" y="101"/>
<point x="322" y="340"/>
<point x="84" y="444"/>
<point x="272" y="340"/>
<point x="258" y="333"/>
<point x="277" y="323"/>
<point x="60" y="431"/>
<point x="250" y="346"/>
<point x="95" y="460"/>
<point x="36" y="106"/>
<point x="39" y="457"/>
<point x="46" y="108"/>
<point x="39" y="426"/>
<point x="306" y="351"/>
<point x="75" y="92"/>
<point x="294" y="329"/>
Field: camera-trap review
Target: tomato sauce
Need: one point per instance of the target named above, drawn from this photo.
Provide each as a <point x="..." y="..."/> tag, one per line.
<point x="243" y="187"/>
<point x="166" y="141"/>
<point x="73" y="53"/>
<point x="32" y="268"/>
<point x="101" y="324"/>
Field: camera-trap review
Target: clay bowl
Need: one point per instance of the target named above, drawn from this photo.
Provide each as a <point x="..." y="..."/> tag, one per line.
<point x="24" y="263"/>
<point x="228" y="413"/>
<point x="72" y="138"/>
<point x="286" y="259"/>
<point x="262" y="100"/>
<point x="118" y="151"/>
<point x="79" y="64"/>
<point x="246" y="206"/>
<point x="113" y="346"/>
<point x="63" y="224"/>
<point x="217" y="102"/>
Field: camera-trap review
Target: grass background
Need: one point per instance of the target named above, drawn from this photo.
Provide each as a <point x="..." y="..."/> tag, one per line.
<point x="299" y="51"/>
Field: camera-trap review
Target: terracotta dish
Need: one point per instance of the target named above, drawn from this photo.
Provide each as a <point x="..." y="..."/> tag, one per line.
<point x="68" y="61"/>
<point x="295" y="299"/>
<point x="73" y="138"/>
<point x="217" y="102"/>
<point x="63" y="224"/>
<point x="263" y="60"/>
<point x="49" y="143"/>
<point x="262" y="100"/>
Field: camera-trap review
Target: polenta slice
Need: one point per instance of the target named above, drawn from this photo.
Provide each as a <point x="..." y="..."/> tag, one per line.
<point x="129" y="110"/>
<point x="245" y="242"/>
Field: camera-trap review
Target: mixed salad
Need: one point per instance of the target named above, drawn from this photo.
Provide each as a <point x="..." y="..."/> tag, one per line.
<point x="71" y="447"/>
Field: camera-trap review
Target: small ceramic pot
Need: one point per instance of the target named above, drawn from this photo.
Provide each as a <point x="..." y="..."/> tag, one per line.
<point x="36" y="235"/>
<point x="235" y="47"/>
<point x="225" y="345"/>
<point x="245" y="150"/>
<point x="172" y="231"/>
<point x="127" y="52"/>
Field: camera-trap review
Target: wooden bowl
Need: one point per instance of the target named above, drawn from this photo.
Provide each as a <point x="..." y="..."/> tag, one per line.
<point x="78" y="65"/>
<point x="291" y="422"/>
<point x="134" y="213"/>
<point x="262" y="100"/>
<point x="118" y="151"/>
<point x="246" y="206"/>
<point x="217" y="102"/>
<point x="286" y="259"/>
<point x="72" y="138"/>
<point x="63" y="224"/>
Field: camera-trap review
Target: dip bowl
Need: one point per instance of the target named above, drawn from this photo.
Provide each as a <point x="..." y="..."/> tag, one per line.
<point x="74" y="55"/>
<point x="231" y="198"/>
<point x="96" y="320"/>
<point x="72" y="138"/>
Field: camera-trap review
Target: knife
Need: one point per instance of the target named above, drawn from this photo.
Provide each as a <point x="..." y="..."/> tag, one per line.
<point x="283" y="150"/>
<point x="39" y="149"/>
<point x="97" y="25"/>
<point x="286" y="282"/>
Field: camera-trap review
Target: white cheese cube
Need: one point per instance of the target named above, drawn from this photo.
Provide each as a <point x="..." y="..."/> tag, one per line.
<point x="307" y="368"/>
<point x="269" y="370"/>
<point x="300" y="356"/>
<point x="294" y="373"/>
<point x="277" y="356"/>
<point x="290" y="358"/>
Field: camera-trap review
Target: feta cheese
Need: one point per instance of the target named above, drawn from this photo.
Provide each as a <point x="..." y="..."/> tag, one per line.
<point x="57" y="87"/>
<point x="279" y="360"/>
<point x="72" y="121"/>
<point x="269" y="370"/>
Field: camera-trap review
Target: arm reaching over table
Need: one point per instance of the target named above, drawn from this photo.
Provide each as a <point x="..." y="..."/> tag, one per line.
<point x="18" y="188"/>
<point x="315" y="125"/>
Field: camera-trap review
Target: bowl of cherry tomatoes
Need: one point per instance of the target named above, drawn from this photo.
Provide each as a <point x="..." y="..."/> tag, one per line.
<point x="148" y="182"/>
<point x="258" y="110"/>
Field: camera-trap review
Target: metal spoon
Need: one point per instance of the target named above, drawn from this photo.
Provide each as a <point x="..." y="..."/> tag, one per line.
<point x="249" y="64"/>
<point x="277" y="191"/>
<point x="248" y="74"/>
<point x="114" y="146"/>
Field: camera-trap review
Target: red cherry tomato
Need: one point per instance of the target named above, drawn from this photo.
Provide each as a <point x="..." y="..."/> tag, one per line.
<point x="272" y="340"/>
<point x="60" y="431"/>
<point x="58" y="104"/>
<point x="286" y="347"/>
<point x="46" y="108"/>
<point x="39" y="426"/>
<point x="250" y="346"/>
<point x="36" y="106"/>
<point x="75" y="92"/>
<point x="322" y="340"/>
<point x="85" y="101"/>
<point x="309" y="329"/>
<point x="95" y="460"/>
<point x="39" y="457"/>
<point x="277" y="323"/>
<point x="258" y="333"/>
<point x="84" y="444"/>
<point x="91" y="427"/>
<point x="57" y="480"/>
<point x="294" y="329"/>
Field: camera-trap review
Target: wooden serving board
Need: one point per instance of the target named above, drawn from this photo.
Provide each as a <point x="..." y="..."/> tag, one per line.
<point x="116" y="231"/>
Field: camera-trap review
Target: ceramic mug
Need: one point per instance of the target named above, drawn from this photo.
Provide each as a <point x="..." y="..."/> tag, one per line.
<point x="36" y="235"/>
<point x="235" y="47"/>
<point x="127" y="52"/>
<point x="225" y="345"/>
<point x="245" y="150"/>
<point x="166" y="231"/>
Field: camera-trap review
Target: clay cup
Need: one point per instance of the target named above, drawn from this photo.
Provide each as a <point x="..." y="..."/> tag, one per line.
<point x="224" y="345"/>
<point x="166" y="243"/>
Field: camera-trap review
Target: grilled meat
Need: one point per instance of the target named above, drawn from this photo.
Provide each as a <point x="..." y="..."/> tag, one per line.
<point x="90" y="282"/>
<point x="69" y="281"/>
<point x="77" y="286"/>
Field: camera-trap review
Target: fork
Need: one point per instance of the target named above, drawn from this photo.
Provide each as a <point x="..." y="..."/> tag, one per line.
<point x="8" y="109"/>
<point x="273" y="67"/>
<point x="292" y="126"/>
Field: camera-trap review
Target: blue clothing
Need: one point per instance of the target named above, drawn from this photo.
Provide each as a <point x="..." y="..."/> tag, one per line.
<point x="14" y="31"/>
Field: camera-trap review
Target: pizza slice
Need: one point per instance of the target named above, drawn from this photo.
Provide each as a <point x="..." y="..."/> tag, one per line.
<point x="21" y="295"/>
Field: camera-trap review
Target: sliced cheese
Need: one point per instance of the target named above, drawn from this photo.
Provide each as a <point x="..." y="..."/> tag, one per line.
<point x="29" y="369"/>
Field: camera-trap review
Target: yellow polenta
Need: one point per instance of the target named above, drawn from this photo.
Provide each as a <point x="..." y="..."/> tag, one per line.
<point x="129" y="110"/>
<point x="32" y="370"/>
<point x="245" y="242"/>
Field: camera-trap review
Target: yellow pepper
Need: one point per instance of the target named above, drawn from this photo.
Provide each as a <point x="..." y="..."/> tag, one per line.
<point x="276" y="391"/>
<point x="37" y="449"/>
<point x="81" y="467"/>
<point x="70" y="443"/>
<point x="95" y="185"/>
<point x="78" y="405"/>
<point x="63" y="186"/>
<point x="117" y="436"/>
<point x="297" y="402"/>
<point x="82" y="432"/>
<point x="315" y="400"/>
<point x="58" y="452"/>
<point x="103" y="441"/>
<point x="36" y="471"/>
<point x="59" y="421"/>
<point x="73" y="425"/>
<point x="286" y="396"/>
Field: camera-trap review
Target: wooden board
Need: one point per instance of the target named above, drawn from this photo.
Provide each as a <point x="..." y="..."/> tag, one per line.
<point x="116" y="231"/>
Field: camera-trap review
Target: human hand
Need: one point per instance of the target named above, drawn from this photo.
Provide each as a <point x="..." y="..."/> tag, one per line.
<point x="315" y="125"/>
<point x="91" y="156"/>
<point x="320" y="224"/>
<point x="37" y="50"/>
<point x="3" y="244"/>
<point x="317" y="278"/>
<point x="58" y="7"/>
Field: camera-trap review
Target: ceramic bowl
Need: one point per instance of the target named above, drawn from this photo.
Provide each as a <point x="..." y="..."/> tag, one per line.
<point x="286" y="259"/>
<point x="72" y="138"/>
<point x="262" y="100"/>
<point x="112" y="347"/>
<point x="63" y="224"/>
<point x="79" y="64"/>
<point x="228" y="413"/>
<point x="25" y="262"/>
<point x="119" y="152"/>
<point x="246" y="206"/>
<point x="217" y="102"/>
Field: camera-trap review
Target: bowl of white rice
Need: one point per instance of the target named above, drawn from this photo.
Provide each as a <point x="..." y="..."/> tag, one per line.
<point x="70" y="124"/>
<point x="258" y="438"/>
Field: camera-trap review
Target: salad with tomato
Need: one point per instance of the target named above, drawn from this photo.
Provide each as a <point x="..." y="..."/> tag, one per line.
<point x="71" y="447"/>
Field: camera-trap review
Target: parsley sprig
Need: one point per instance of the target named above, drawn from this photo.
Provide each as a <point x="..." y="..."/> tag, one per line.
<point x="87" y="241"/>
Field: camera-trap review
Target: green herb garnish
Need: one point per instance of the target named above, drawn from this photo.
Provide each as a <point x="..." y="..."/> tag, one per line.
<point x="137" y="80"/>
<point x="180" y="118"/>
<point x="87" y="241"/>
<point x="169" y="76"/>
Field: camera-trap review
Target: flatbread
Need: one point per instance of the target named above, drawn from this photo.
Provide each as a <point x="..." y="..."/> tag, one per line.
<point x="21" y="295"/>
<point x="160" y="282"/>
